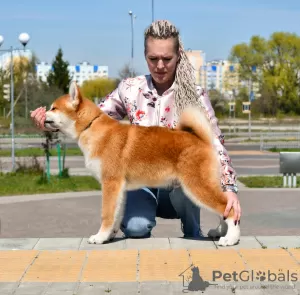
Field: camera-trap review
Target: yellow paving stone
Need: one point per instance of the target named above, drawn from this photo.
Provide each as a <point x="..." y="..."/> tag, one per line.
<point x="110" y="266"/>
<point x="56" y="266"/>
<point x="216" y="263"/>
<point x="14" y="263"/>
<point x="160" y="265"/>
<point x="275" y="264"/>
<point x="295" y="253"/>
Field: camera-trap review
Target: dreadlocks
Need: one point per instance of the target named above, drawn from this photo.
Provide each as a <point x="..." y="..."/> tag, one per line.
<point x="185" y="86"/>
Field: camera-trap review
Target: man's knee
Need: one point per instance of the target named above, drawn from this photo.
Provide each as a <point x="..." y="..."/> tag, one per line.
<point x="137" y="227"/>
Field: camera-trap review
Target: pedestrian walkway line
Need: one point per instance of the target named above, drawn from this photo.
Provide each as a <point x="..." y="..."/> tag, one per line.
<point x="250" y="153"/>
<point x="153" y="265"/>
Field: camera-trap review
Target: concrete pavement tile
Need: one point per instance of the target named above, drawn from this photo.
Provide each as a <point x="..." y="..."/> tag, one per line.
<point x="234" y="288"/>
<point x="93" y="289"/>
<point x="13" y="264"/>
<point x="157" y="288"/>
<point x="148" y="243"/>
<point x="212" y="291"/>
<point x="56" y="266"/>
<point x="177" y="288"/>
<point x="297" y="287"/>
<point x="182" y="243"/>
<point x="110" y="266"/>
<point x="116" y="244"/>
<point x="279" y="290"/>
<point x="247" y="242"/>
<point x="18" y="244"/>
<point x="60" y="293"/>
<point x="180" y="288"/>
<point x="32" y="288"/>
<point x="162" y="265"/>
<point x="274" y="262"/>
<point x="279" y="241"/>
<point x="61" y="288"/>
<point x="58" y="244"/>
<point x="7" y="288"/>
<point x="209" y="263"/>
<point x="249" y="292"/>
<point x="120" y="288"/>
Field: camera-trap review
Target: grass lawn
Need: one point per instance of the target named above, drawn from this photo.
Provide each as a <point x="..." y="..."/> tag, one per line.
<point x="277" y="150"/>
<point x="264" y="181"/>
<point x="30" y="152"/>
<point x="33" y="183"/>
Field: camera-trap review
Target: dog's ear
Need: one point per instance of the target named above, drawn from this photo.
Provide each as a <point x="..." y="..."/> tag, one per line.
<point x="75" y="94"/>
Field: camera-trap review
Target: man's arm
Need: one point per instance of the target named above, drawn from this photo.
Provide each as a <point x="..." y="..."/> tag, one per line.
<point x="113" y="105"/>
<point x="228" y="179"/>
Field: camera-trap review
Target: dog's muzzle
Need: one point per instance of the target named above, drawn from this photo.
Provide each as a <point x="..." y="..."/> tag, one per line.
<point x="54" y="129"/>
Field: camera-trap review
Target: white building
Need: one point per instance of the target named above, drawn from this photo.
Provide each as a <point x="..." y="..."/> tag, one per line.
<point x="79" y="72"/>
<point x="42" y="70"/>
<point x="213" y="72"/>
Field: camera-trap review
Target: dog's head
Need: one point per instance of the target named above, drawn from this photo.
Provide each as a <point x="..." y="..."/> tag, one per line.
<point x="70" y="113"/>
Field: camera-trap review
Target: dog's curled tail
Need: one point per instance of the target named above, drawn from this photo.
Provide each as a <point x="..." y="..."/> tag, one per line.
<point x="194" y="120"/>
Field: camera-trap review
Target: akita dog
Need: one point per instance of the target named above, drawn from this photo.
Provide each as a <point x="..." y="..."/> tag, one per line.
<point x="126" y="157"/>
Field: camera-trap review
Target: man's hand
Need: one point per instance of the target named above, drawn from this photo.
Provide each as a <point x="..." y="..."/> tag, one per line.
<point x="232" y="201"/>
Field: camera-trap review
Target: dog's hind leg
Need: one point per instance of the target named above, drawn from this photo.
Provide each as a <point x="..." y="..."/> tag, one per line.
<point x="113" y="197"/>
<point x="215" y="201"/>
<point x="198" y="171"/>
<point x="220" y="231"/>
<point x="202" y="186"/>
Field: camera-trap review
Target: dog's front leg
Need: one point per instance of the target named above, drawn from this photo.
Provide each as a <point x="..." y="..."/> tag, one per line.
<point x="113" y="195"/>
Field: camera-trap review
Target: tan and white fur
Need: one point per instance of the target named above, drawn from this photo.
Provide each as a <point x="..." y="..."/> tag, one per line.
<point x="124" y="157"/>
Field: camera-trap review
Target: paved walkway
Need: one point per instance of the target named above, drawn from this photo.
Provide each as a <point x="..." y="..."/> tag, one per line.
<point x="260" y="265"/>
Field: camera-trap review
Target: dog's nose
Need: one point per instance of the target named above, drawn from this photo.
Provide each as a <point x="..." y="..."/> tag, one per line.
<point x="48" y="121"/>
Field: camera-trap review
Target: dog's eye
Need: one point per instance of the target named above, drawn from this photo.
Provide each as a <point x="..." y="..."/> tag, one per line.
<point x="53" y="108"/>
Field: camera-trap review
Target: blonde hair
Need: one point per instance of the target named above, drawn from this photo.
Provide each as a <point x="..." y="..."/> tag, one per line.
<point x="185" y="85"/>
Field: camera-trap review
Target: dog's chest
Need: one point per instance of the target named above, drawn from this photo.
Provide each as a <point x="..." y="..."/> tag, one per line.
<point x="92" y="164"/>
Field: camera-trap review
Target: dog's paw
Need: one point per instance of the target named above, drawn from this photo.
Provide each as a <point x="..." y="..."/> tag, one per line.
<point x="228" y="241"/>
<point x="214" y="233"/>
<point x="96" y="239"/>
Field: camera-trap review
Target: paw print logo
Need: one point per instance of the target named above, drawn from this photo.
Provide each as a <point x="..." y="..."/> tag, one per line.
<point x="261" y="276"/>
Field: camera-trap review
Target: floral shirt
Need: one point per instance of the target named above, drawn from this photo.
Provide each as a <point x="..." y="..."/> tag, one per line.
<point x="138" y="99"/>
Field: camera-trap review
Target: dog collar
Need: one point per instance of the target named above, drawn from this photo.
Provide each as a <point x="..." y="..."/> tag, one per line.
<point x="89" y="125"/>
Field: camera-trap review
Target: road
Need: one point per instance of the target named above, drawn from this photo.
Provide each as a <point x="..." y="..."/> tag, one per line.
<point x="265" y="164"/>
<point x="265" y="212"/>
<point x="244" y="162"/>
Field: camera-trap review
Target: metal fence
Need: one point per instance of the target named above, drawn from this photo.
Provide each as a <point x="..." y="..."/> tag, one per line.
<point x="279" y="140"/>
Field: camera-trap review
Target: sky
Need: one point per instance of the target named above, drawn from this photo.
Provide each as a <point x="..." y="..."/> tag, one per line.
<point x="99" y="31"/>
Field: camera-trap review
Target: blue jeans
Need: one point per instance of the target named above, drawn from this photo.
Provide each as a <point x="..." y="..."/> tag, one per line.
<point x="144" y="205"/>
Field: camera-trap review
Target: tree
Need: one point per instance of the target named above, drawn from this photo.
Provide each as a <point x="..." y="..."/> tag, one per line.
<point x="98" y="88"/>
<point x="59" y="76"/>
<point x="29" y="93"/>
<point x="24" y="75"/>
<point x="218" y="102"/>
<point x="275" y="63"/>
<point x="127" y="72"/>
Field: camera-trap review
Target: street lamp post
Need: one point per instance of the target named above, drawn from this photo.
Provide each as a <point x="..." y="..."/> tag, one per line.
<point x="233" y="93"/>
<point x="152" y="10"/>
<point x="24" y="39"/>
<point x="132" y="40"/>
<point x="251" y="97"/>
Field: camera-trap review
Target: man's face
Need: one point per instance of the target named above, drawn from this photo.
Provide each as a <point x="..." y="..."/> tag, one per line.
<point x="161" y="58"/>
